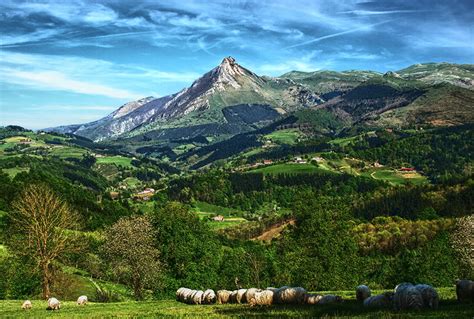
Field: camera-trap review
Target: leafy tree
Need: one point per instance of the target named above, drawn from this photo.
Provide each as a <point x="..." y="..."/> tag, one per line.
<point x="41" y="221"/>
<point x="130" y="250"/>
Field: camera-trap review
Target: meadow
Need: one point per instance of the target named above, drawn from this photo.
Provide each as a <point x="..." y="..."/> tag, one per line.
<point x="448" y="308"/>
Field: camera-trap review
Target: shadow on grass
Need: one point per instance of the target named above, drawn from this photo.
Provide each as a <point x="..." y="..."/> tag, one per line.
<point x="346" y="309"/>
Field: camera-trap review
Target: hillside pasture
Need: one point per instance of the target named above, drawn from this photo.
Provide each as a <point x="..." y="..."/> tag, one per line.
<point x="117" y="160"/>
<point x="448" y="308"/>
<point x="287" y="168"/>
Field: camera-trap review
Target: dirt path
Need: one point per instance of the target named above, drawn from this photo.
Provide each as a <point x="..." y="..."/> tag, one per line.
<point x="275" y="230"/>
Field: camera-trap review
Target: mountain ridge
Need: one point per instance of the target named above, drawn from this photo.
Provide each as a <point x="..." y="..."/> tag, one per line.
<point x="229" y="84"/>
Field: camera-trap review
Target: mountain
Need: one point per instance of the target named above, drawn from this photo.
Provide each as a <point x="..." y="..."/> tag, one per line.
<point x="230" y="100"/>
<point x="227" y="85"/>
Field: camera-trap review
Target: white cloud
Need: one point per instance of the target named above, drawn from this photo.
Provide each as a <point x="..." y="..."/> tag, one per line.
<point x="52" y="80"/>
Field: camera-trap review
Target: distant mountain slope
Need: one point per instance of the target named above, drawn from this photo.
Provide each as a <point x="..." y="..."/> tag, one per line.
<point x="226" y="85"/>
<point x="231" y="99"/>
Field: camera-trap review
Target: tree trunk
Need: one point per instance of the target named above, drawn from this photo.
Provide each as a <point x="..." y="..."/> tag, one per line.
<point x="46" y="280"/>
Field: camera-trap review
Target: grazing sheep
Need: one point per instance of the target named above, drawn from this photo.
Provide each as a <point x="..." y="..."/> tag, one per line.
<point x="262" y="298"/>
<point x="429" y="296"/>
<point x="278" y="293"/>
<point x="26" y="305"/>
<point x="209" y="297"/>
<point x="82" y="300"/>
<point x="233" y="296"/>
<point x="251" y="293"/>
<point x="291" y="295"/>
<point x="465" y="290"/>
<point x="312" y="299"/>
<point x="241" y="296"/>
<point x="223" y="296"/>
<point x="384" y="300"/>
<point x="53" y="304"/>
<point x="362" y="292"/>
<point x="196" y="297"/>
<point x="182" y="294"/>
<point x="407" y="297"/>
<point x="327" y="299"/>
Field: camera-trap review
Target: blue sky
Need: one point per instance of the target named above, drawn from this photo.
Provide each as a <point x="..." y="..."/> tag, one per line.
<point x="64" y="62"/>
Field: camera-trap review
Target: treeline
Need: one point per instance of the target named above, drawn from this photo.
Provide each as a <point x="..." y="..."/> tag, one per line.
<point x="249" y="191"/>
<point x="441" y="154"/>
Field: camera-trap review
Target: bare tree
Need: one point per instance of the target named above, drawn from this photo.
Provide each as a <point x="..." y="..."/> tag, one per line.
<point x="130" y="250"/>
<point x="41" y="221"/>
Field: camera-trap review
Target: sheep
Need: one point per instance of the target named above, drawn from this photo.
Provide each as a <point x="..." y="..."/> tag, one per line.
<point x="82" y="300"/>
<point x="53" y="304"/>
<point x="429" y="296"/>
<point x="362" y="292"/>
<point x="278" y="293"/>
<point x="262" y="298"/>
<point x="233" y="296"/>
<point x="384" y="300"/>
<point x="241" y="296"/>
<point x="209" y="297"/>
<point x="182" y="294"/>
<point x="407" y="297"/>
<point x="223" y="296"/>
<point x="250" y="293"/>
<point x="291" y="295"/>
<point x="186" y="295"/>
<point x="26" y="305"/>
<point x="196" y="297"/>
<point x="327" y="299"/>
<point x="465" y="290"/>
<point x="312" y="299"/>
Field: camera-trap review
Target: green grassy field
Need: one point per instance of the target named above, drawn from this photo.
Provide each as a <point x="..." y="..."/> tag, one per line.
<point x="396" y="178"/>
<point x="288" y="168"/>
<point x="117" y="160"/>
<point x="171" y="308"/>
<point x="203" y="207"/>
<point x="289" y="136"/>
<point x="15" y="170"/>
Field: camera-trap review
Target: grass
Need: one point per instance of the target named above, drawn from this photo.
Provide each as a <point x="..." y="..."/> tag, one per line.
<point x="67" y="151"/>
<point x="117" y="160"/>
<point x="396" y="178"/>
<point x="203" y="207"/>
<point x="171" y="308"/>
<point x="288" y="168"/>
<point x="15" y="170"/>
<point x="289" y="136"/>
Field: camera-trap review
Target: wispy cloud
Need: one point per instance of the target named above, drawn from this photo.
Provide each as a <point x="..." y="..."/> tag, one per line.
<point x="51" y="80"/>
<point x="338" y="34"/>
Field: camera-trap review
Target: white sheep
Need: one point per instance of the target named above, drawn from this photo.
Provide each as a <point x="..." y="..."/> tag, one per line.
<point x="182" y="294"/>
<point x="465" y="290"/>
<point x="312" y="299"/>
<point x="82" y="300"/>
<point x="429" y="296"/>
<point x="291" y="295"/>
<point x="327" y="299"/>
<point x="407" y="297"/>
<point x="53" y="304"/>
<point x="26" y="305"/>
<point x="209" y="297"/>
<point x="250" y="293"/>
<point x="196" y="297"/>
<point x="241" y="296"/>
<point x="362" y="292"/>
<point x="233" y="296"/>
<point x="223" y="296"/>
<point x="384" y="300"/>
<point x="262" y="298"/>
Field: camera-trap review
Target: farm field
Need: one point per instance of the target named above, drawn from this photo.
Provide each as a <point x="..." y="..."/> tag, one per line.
<point x="117" y="160"/>
<point x="288" y="168"/>
<point x="396" y="178"/>
<point x="170" y="308"/>
<point x="284" y="136"/>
